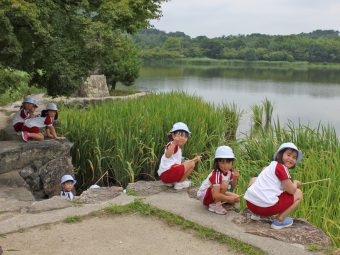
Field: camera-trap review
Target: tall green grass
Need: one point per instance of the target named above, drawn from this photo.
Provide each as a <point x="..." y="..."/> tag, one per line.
<point x="127" y="138"/>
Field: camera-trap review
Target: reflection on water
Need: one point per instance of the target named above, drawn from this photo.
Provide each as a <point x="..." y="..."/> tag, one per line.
<point x="309" y="96"/>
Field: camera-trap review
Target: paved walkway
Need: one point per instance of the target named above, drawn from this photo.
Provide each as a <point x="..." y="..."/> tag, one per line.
<point x="178" y="203"/>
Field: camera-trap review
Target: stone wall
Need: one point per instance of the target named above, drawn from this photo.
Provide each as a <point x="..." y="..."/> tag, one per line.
<point x="41" y="164"/>
<point x="94" y="86"/>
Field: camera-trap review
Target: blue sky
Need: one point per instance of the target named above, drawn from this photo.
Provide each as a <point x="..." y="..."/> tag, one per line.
<point x="231" y="17"/>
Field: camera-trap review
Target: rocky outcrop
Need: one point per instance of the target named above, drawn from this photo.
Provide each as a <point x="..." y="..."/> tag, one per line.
<point x="93" y="196"/>
<point x="301" y="232"/>
<point x="94" y="86"/>
<point x="41" y="164"/>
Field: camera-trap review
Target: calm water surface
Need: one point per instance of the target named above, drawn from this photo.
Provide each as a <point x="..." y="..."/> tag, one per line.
<point x="308" y="96"/>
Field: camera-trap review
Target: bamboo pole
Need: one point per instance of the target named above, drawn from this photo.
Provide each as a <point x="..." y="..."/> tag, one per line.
<point x="327" y="179"/>
<point x="101" y="177"/>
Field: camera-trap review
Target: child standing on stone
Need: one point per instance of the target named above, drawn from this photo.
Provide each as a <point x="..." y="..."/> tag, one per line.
<point x="171" y="169"/>
<point x="274" y="192"/>
<point x="31" y="127"/>
<point x="26" y="111"/>
<point x="67" y="184"/>
<point x="217" y="187"/>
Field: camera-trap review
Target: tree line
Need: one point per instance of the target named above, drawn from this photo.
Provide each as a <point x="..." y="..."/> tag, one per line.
<point x="317" y="46"/>
<point x="56" y="44"/>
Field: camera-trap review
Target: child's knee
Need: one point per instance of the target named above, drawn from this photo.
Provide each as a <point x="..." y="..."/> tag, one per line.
<point x="298" y="195"/>
<point x="224" y="186"/>
<point x="252" y="180"/>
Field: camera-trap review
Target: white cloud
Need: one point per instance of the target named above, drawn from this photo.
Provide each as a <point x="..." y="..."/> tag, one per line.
<point x="224" y="17"/>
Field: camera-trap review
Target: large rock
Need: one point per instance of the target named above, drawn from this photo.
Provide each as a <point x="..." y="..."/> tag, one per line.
<point x="94" y="86"/>
<point x="41" y="164"/>
<point x="301" y="232"/>
<point x="146" y="188"/>
<point x="54" y="203"/>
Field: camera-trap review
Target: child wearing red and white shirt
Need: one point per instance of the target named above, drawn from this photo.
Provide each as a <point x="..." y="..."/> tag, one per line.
<point x="26" y="111"/>
<point x="31" y="127"/>
<point x="274" y="192"/>
<point x="216" y="188"/>
<point x="171" y="169"/>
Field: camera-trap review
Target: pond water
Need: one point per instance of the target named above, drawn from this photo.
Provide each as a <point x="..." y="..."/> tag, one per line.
<point x="308" y="96"/>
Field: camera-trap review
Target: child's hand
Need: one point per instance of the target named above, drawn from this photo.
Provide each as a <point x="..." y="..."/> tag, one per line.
<point x="237" y="198"/>
<point x="298" y="183"/>
<point x="236" y="174"/>
<point x="197" y="158"/>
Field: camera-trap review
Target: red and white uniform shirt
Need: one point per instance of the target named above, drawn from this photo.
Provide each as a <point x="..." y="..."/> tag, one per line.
<point x="39" y="122"/>
<point x="215" y="178"/>
<point x="166" y="163"/>
<point x="21" y="116"/>
<point x="265" y="190"/>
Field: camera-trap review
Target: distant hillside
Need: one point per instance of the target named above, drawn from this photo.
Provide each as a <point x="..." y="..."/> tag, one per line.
<point x="317" y="46"/>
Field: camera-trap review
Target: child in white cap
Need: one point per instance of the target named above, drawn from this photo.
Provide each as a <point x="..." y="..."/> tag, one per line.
<point x="171" y="169"/>
<point x="26" y="111"/>
<point x="31" y="127"/>
<point x="217" y="187"/>
<point x="274" y="192"/>
<point x="67" y="184"/>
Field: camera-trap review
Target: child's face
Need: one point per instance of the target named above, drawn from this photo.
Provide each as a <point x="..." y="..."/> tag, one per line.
<point x="289" y="158"/>
<point x="51" y="113"/>
<point x="67" y="186"/>
<point x="29" y="106"/>
<point x="181" y="137"/>
<point x="225" y="165"/>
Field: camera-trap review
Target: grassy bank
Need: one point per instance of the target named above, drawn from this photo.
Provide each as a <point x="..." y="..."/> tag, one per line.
<point x="127" y="138"/>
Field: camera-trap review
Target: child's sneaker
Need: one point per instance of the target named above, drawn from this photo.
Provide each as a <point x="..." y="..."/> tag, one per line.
<point x="217" y="208"/>
<point x="287" y="222"/>
<point x="254" y="216"/>
<point x="24" y="135"/>
<point x="182" y="185"/>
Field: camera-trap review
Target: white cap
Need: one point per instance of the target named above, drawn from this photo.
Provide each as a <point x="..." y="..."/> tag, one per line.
<point x="224" y="152"/>
<point x="94" y="186"/>
<point x="66" y="178"/>
<point x="290" y="146"/>
<point x="180" y="126"/>
<point x="51" y="106"/>
<point x="30" y="100"/>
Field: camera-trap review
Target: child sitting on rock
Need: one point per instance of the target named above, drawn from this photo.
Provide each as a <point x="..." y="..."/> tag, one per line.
<point x="31" y="127"/>
<point x="216" y="188"/>
<point x="26" y="111"/>
<point x="274" y="192"/>
<point x="67" y="184"/>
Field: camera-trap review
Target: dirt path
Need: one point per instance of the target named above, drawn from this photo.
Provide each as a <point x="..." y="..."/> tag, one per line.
<point x="127" y="234"/>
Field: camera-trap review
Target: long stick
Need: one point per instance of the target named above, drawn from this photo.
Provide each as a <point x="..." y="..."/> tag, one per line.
<point x="327" y="179"/>
<point x="101" y="177"/>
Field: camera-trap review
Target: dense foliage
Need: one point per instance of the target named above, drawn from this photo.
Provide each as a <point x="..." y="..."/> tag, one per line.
<point x="58" y="43"/>
<point x="317" y="46"/>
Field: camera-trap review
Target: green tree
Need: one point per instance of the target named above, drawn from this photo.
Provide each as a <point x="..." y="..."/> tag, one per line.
<point x="60" y="42"/>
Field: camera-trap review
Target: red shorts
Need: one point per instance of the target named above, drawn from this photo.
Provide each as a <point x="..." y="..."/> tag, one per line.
<point x="208" y="198"/>
<point x="31" y="130"/>
<point x="174" y="174"/>
<point x="285" y="200"/>
<point x="18" y="126"/>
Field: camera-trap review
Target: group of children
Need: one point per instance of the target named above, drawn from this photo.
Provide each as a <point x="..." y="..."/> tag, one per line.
<point x="29" y="125"/>
<point x="272" y="193"/>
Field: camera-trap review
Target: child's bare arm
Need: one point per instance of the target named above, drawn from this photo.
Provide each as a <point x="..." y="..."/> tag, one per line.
<point x="235" y="179"/>
<point x="289" y="186"/>
<point x="227" y="197"/>
<point x="53" y="133"/>
<point x="170" y="150"/>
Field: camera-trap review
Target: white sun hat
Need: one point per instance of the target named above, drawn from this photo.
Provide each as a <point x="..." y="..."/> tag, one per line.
<point x="289" y="145"/>
<point x="180" y="126"/>
<point x="66" y="178"/>
<point x="30" y="100"/>
<point x="52" y="107"/>
<point x="224" y="152"/>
